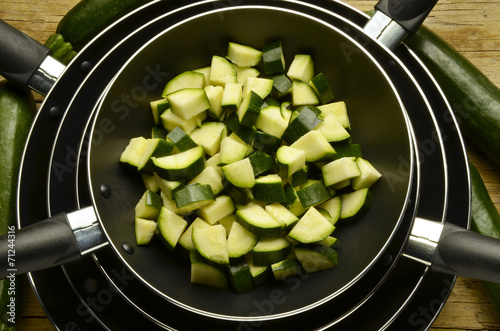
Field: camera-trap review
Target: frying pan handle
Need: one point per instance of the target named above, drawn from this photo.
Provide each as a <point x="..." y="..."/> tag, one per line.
<point x="468" y="254"/>
<point x="25" y="62"/>
<point x="58" y="240"/>
<point x="410" y="14"/>
<point x="39" y="246"/>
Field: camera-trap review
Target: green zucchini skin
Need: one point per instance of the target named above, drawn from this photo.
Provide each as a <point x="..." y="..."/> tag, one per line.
<point x="485" y="219"/>
<point x="474" y="98"/>
<point x="89" y="17"/>
<point x="17" y="111"/>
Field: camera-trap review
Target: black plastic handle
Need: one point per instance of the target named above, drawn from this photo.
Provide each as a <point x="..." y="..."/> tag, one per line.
<point x="408" y="13"/>
<point x="39" y="246"/>
<point x="20" y="55"/>
<point x="468" y="254"/>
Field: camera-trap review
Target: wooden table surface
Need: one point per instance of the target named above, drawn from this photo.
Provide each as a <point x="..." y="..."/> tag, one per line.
<point x="471" y="26"/>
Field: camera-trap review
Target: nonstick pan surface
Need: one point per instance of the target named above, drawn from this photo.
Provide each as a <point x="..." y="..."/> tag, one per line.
<point x="379" y="124"/>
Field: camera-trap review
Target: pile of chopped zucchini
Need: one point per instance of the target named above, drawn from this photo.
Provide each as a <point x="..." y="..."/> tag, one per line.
<point x="262" y="163"/>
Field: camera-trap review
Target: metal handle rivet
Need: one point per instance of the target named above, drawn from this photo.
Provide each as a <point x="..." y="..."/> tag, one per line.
<point x="85" y="67"/>
<point x="128" y="248"/>
<point x="105" y="191"/>
<point x="54" y="113"/>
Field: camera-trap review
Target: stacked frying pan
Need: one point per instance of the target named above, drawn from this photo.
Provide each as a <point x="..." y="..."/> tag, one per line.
<point x="394" y="267"/>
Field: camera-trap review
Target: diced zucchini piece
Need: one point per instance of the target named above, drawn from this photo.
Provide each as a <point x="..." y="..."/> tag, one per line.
<point x="240" y="195"/>
<point x="232" y="96"/>
<point x="227" y="222"/>
<point x="148" y="206"/>
<point x="266" y="142"/>
<point x="210" y="135"/>
<point x="240" y="275"/>
<point x="213" y="162"/>
<point x="186" y="240"/>
<point x="166" y="186"/>
<point x="313" y="193"/>
<point x="205" y="273"/>
<point x="270" y="101"/>
<point x="132" y="153"/>
<point x="261" y="86"/>
<point x="244" y="132"/>
<point x="240" y="173"/>
<point x="271" y="250"/>
<point x="181" y="140"/>
<point x="269" y="188"/>
<point x="290" y="160"/>
<point x="182" y="166"/>
<point x="258" y="221"/>
<point x="316" y="257"/>
<point x="170" y="121"/>
<point x="340" y="170"/>
<point x="311" y="227"/>
<point x="193" y="196"/>
<point x="322" y="88"/>
<point x="211" y="243"/>
<point x="188" y="102"/>
<point x="303" y="94"/>
<point x="328" y="241"/>
<point x="300" y="177"/>
<point x="169" y="203"/>
<point x="157" y="108"/>
<point x="221" y="71"/>
<point x="154" y="148"/>
<point x="150" y="183"/>
<point x="369" y="175"/>
<point x="333" y="131"/>
<point x="301" y="68"/>
<point x="206" y="72"/>
<point x="259" y="273"/>
<point x="339" y="110"/>
<point x="210" y="176"/>
<point x="170" y="226"/>
<point x="240" y="241"/>
<point x="306" y="118"/>
<point x="271" y="122"/>
<point x="187" y="79"/>
<point x="292" y="201"/>
<point x="214" y="95"/>
<point x="282" y="85"/>
<point x="286" y="110"/>
<point x="144" y="230"/>
<point x="249" y="109"/>
<point x="286" y="268"/>
<point x="355" y="205"/>
<point x="217" y="210"/>
<point x="242" y="73"/>
<point x="282" y="215"/>
<point x="315" y="146"/>
<point x="158" y="132"/>
<point x="348" y="150"/>
<point x="261" y="162"/>
<point x="273" y="58"/>
<point x="232" y="149"/>
<point x="333" y="206"/>
<point x="243" y="55"/>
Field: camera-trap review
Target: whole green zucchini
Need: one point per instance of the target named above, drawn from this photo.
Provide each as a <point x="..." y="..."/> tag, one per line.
<point x="474" y="98"/>
<point x="89" y="17"/>
<point x="485" y="220"/>
<point x="17" y="111"/>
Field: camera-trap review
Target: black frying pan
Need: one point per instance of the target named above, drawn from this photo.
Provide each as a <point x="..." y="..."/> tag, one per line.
<point x="378" y="118"/>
